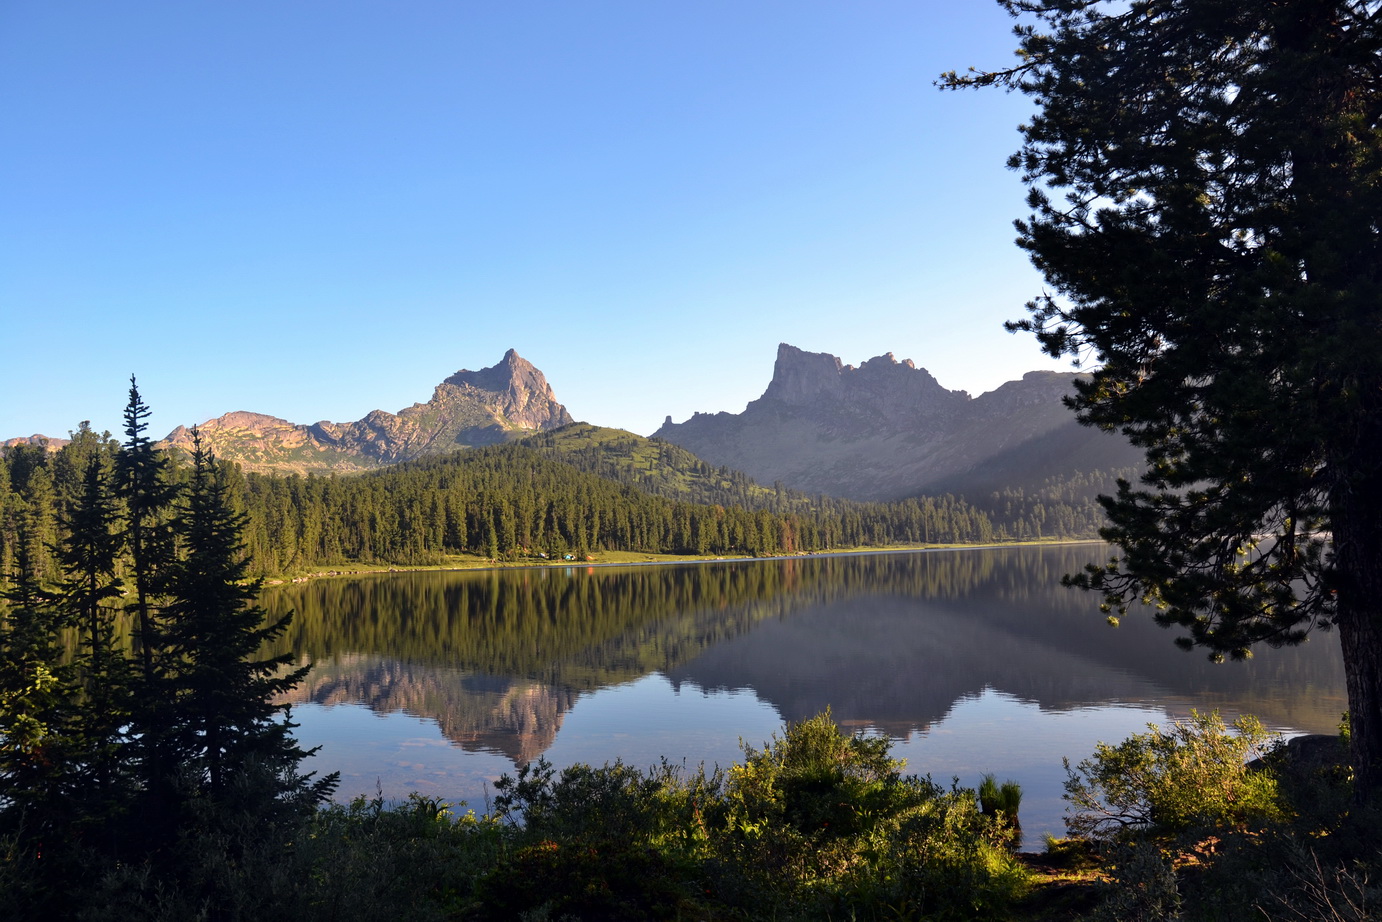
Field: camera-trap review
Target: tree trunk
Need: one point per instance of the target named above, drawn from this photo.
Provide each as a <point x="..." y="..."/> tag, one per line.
<point x="1361" y="639"/>
<point x="1357" y="526"/>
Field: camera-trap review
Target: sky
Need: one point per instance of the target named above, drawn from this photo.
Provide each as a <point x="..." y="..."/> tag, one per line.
<point x="315" y="209"/>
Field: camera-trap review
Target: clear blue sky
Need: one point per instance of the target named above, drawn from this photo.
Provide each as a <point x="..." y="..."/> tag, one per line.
<point x="316" y="209"/>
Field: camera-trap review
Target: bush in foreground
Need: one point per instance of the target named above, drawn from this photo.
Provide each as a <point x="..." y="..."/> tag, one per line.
<point x="1201" y="820"/>
<point x="817" y="824"/>
<point x="1174" y="779"/>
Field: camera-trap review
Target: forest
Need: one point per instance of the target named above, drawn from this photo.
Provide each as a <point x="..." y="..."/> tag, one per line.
<point x="529" y="500"/>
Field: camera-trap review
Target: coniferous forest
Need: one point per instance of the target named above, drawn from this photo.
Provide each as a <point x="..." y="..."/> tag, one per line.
<point x="135" y="705"/>
<point x="523" y="501"/>
<point x="508" y="502"/>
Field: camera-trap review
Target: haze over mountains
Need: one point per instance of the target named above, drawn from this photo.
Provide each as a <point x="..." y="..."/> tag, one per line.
<point x="888" y="429"/>
<point x="884" y="430"/>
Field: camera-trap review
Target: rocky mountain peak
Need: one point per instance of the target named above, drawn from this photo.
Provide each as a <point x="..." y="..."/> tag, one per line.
<point x="1036" y="389"/>
<point x="39" y="441"/>
<point x="882" y="385"/>
<point x="504" y="401"/>
<point x="515" y="389"/>
<point x="506" y="374"/>
<point x="888" y="429"/>
<point x="237" y="419"/>
<point x="801" y="378"/>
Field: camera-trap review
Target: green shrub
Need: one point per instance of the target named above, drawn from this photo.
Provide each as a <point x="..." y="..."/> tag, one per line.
<point x="815" y="781"/>
<point x="417" y="860"/>
<point x="616" y="802"/>
<point x="1190" y="775"/>
<point x="817" y="824"/>
<point x="1141" y="886"/>
<point x="599" y="843"/>
<point x="612" y="881"/>
<point x="826" y="823"/>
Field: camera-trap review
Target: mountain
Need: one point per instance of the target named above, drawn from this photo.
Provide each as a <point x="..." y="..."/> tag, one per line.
<point x="33" y="441"/>
<point x="471" y="408"/>
<point x="888" y="429"/>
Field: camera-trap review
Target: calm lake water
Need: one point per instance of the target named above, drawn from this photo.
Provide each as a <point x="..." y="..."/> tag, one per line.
<point x="971" y="661"/>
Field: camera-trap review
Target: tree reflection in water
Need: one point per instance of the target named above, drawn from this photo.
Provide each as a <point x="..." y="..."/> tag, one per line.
<point x="892" y="642"/>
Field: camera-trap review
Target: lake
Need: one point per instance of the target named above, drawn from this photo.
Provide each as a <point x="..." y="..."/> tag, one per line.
<point x="971" y="661"/>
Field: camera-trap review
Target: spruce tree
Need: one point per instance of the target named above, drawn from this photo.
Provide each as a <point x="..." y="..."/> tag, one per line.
<point x="144" y="484"/>
<point x="8" y="502"/>
<point x="227" y="734"/>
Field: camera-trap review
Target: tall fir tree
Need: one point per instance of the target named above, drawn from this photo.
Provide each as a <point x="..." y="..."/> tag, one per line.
<point x="8" y="502"/>
<point x="226" y="732"/>
<point x="144" y="485"/>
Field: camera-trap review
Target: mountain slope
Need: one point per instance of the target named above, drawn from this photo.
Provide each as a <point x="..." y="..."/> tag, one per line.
<point x="470" y="408"/>
<point x="657" y="467"/>
<point x="888" y="429"/>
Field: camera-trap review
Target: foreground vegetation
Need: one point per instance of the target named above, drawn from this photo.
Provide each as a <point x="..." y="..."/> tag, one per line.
<point x="815" y="825"/>
<point x="1205" y="822"/>
<point x="1170" y="824"/>
<point x="112" y="751"/>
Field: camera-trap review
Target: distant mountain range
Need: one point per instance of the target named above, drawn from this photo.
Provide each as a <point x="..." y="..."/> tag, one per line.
<point x="471" y="408"/>
<point x="884" y="430"/>
<point x="888" y="429"/>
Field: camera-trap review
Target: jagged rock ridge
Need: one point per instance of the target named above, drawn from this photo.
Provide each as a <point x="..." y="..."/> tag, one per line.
<point x="888" y="429"/>
<point x="468" y="409"/>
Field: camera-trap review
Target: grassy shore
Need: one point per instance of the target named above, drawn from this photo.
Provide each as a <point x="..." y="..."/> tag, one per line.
<point x="456" y="562"/>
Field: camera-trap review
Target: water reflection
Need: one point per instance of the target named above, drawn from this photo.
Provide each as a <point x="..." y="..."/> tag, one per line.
<point x="888" y="641"/>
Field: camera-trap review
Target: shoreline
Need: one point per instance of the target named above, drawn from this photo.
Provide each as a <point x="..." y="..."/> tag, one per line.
<point x="641" y="559"/>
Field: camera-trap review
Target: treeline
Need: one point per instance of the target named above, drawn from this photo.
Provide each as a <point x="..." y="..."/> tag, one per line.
<point x="39" y="491"/>
<point x="553" y="495"/>
<point x="508" y="501"/>
<point x="1058" y="507"/>
<point x="135" y="708"/>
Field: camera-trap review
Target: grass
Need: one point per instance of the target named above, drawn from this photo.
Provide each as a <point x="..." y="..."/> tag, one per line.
<point x="1065" y="882"/>
<point x="452" y="562"/>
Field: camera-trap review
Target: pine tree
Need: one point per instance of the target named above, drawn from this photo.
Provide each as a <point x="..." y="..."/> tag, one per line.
<point x="8" y="502"/>
<point x="1216" y="255"/>
<point x="144" y="485"/>
<point x="38" y="523"/>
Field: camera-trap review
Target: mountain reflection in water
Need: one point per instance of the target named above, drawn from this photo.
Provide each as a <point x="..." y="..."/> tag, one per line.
<point x="891" y="642"/>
